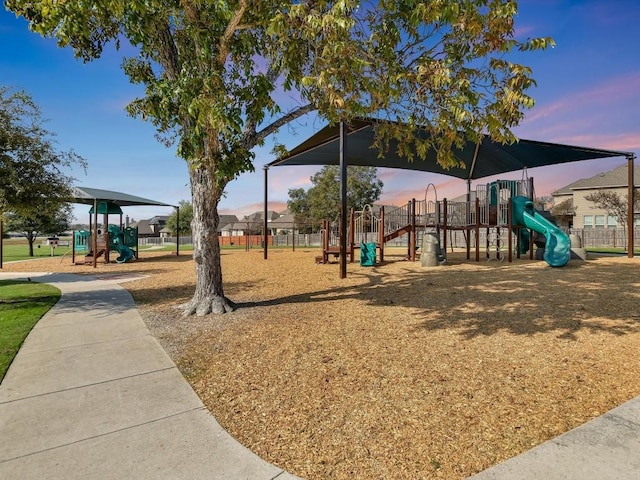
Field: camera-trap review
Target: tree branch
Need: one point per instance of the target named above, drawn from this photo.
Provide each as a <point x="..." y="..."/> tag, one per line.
<point x="254" y="137"/>
<point x="234" y="24"/>
<point x="167" y="50"/>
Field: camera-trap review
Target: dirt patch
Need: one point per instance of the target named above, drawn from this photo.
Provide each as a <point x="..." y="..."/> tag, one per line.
<point x="397" y="371"/>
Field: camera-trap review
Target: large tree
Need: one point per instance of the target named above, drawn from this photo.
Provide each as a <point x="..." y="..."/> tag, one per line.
<point x="212" y="71"/>
<point x="34" y="187"/>
<point x="322" y="199"/>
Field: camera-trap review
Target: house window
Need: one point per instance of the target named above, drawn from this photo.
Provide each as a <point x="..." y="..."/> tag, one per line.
<point x="588" y="221"/>
<point x="612" y="222"/>
<point x="599" y="221"/>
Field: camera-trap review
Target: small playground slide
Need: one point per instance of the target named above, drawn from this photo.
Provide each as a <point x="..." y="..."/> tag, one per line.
<point x="558" y="246"/>
<point x="126" y="254"/>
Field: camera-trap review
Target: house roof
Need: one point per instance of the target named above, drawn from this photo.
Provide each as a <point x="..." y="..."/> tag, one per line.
<point x="143" y="227"/>
<point x="482" y="160"/>
<point x="616" y="178"/>
<point x="568" y="189"/>
<point x="158" y="219"/>
<point x="258" y="216"/>
<point x="284" y="221"/>
<point x="227" y="219"/>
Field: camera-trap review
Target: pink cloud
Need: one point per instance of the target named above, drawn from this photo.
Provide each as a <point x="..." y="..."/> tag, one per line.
<point x="617" y="91"/>
<point x="606" y="111"/>
<point x="409" y="185"/>
<point x="247" y="209"/>
<point x="523" y="31"/>
<point x="624" y="142"/>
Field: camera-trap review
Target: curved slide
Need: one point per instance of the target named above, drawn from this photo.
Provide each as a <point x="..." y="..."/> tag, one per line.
<point x="557" y="250"/>
<point x="126" y="254"/>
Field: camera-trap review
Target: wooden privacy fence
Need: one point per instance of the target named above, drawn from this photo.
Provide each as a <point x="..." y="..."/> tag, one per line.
<point x="244" y="240"/>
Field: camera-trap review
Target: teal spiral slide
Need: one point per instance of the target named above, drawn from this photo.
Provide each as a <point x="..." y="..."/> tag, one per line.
<point x="557" y="250"/>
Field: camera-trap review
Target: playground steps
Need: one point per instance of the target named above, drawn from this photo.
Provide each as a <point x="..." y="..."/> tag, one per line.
<point x="395" y="234"/>
<point x="335" y="251"/>
<point x="88" y="258"/>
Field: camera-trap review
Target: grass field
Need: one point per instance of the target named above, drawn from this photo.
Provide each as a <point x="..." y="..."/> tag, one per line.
<point x="22" y="304"/>
<point x="18" y="249"/>
<point x="14" y="249"/>
<point x="621" y="251"/>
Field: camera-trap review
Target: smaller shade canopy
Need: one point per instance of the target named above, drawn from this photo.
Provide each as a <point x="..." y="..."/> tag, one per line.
<point x="108" y="208"/>
<point x="90" y="195"/>
<point x="489" y="158"/>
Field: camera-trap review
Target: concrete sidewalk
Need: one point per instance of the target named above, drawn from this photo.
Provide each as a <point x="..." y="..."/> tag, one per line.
<point x="606" y="448"/>
<point x="92" y="394"/>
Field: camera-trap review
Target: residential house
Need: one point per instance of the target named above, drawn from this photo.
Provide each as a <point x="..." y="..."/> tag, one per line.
<point x="283" y="224"/>
<point x="252" y="224"/>
<point x="157" y="223"/>
<point x="225" y="225"/>
<point x="585" y="214"/>
<point x="144" y="229"/>
<point x="151" y="227"/>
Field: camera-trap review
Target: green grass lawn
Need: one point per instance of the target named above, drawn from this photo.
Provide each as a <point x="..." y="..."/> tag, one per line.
<point x="621" y="251"/>
<point x="18" y="249"/>
<point x="22" y="304"/>
<point x="165" y="248"/>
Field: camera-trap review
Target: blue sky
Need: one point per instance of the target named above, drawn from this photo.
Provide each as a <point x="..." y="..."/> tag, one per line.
<point x="588" y="94"/>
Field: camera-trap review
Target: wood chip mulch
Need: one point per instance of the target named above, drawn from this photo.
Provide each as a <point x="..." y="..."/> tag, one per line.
<point x="398" y="371"/>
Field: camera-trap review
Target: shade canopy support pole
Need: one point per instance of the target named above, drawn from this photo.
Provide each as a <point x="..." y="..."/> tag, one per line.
<point x="177" y="232"/>
<point x="630" y="206"/>
<point x="264" y="215"/>
<point x="343" y="200"/>
<point x="95" y="232"/>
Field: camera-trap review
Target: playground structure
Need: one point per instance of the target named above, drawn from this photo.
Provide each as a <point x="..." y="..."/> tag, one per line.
<point x="499" y="207"/>
<point x="100" y="241"/>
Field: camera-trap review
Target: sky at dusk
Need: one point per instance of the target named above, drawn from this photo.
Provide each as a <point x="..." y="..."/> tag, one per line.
<point x="588" y="94"/>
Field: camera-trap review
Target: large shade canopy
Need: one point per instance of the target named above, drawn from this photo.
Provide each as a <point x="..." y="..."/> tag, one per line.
<point x="477" y="160"/>
<point x="90" y="195"/>
<point x="484" y="160"/>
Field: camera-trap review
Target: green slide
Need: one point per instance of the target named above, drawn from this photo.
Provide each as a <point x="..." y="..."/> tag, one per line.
<point x="557" y="250"/>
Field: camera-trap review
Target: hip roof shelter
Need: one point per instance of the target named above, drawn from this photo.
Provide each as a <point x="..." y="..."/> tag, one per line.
<point x="352" y="144"/>
<point x="110" y="202"/>
<point x="107" y="202"/>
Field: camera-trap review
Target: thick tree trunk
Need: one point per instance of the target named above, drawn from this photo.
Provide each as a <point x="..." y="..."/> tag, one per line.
<point x="209" y="295"/>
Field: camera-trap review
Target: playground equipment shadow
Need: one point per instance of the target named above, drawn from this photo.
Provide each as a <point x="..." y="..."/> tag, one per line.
<point x="92" y="394"/>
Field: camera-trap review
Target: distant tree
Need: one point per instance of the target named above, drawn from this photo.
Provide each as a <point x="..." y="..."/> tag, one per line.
<point x="51" y="219"/>
<point x="564" y="210"/>
<point x="614" y="204"/>
<point x="33" y="186"/>
<point x="212" y="72"/>
<point x="322" y="200"/>
<point x="543" y="203"/>
<point x="298" y="205"/>
<point x="186" y="216"/>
